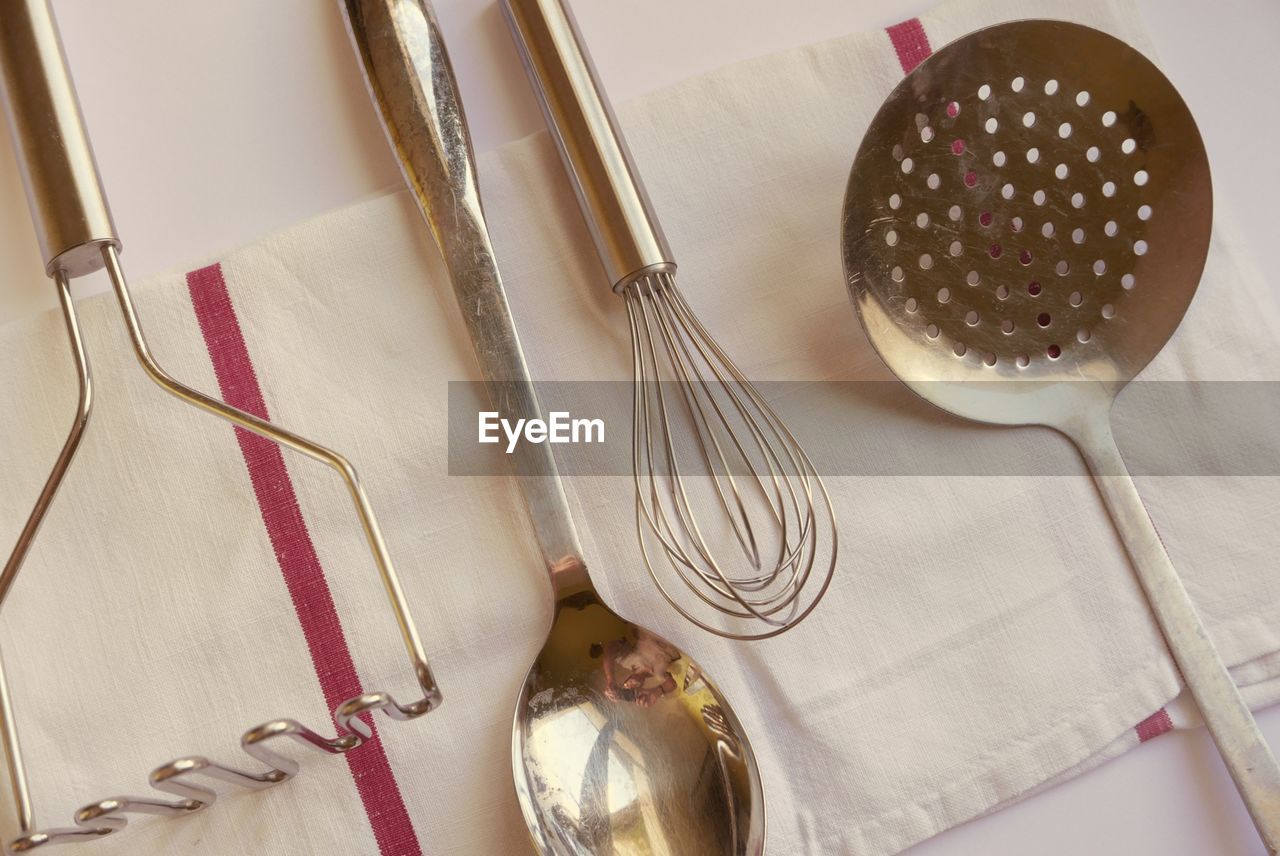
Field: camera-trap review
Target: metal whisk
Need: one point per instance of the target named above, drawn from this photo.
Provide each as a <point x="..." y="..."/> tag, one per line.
<point x="77" y="236"/>
<point x="705" y="440"/>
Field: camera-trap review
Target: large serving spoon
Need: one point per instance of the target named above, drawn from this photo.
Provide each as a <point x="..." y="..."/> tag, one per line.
<point x="620" y="744"/>
<point x="1025" y="225"/>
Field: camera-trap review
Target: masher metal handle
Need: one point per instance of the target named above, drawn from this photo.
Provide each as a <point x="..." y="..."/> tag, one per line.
<point x="68" y="205"/>
<point x="1248" y="758"/>
<point x="613" y="199"/>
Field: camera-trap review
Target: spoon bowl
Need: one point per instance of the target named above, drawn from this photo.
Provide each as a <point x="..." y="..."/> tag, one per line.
<point x="622" y="745"/>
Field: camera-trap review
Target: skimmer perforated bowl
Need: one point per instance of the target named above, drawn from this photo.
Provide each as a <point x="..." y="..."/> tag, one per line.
<point x="1025" y="225"/>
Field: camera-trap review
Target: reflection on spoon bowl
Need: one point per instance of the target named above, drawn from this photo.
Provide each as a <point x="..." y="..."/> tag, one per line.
<point x="626" y="747"/>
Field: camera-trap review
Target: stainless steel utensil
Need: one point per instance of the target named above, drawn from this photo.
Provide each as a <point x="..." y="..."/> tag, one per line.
<point x="77" y="236"/>
<point x="620" y="744"/>
<point x="703" y="436"/>
<point x="1024" y="226"/>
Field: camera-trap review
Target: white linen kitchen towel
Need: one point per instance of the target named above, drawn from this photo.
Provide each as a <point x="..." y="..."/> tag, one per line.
<point x="984" y="635"/>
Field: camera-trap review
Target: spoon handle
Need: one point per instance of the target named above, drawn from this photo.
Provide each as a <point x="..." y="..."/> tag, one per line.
<point x="1248" y="758"/>
<point x="410" y="79"/>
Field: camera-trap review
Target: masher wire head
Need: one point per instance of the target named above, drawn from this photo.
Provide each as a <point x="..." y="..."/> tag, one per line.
<point x="723" y="490"/>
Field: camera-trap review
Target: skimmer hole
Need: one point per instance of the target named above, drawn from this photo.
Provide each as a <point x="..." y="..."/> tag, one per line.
<point x="953" y="109"/>
<point x="891" y="238"/>
<point x="1062" y="268"/>
<point x="1129" y="145"/>
<point x="956" y="248"/>
<point x="1108" y="311"/>
<point x="1028" y="119"/>
<point x="1053" y="352"/>
<point x="1033" y="155"/>
<point x="984" y="92"/>
<point x="985" y="218"/>
<point x="1083" y="335"/>
<point x="933" y="181"/>
<point x="970" y="179"/>
<point x="998" y="159"/>
<point x="911" y="305"/>
<point x="954" y="212"/>
<point x="959" y="349"/>
<point x="972" y="277"/>
<point x="931" y="331"/>
<point x="1017" y="84"/>
<point x="1108" y="118"/>
<point x="944" y="294"/>
<point x="1002" y="292"/>
<point x="1038" y="197"/>
<point x="1111" y="228"/>
<point x="1006" y="326"/>
<point x="1044" y="319"/>
<point x="1033" y="288"/>
<point x="1127" y="281"/>
<point x="1061" y="171"/>
<point x="1047" y="230"/>
<point x="1140" y="177"/>
<point x="1144" y="212"/>
<point x="926" y="261"/>
<point x="1064" y="130"/>
<point x="1077" y="235"/>
<point x="926" y="134"/>
<point x="1051" y="87"/>
<point x="1082" y="98"/>
<point x="1139" y="247"/>
<point x="922" y="219"/>
<point x="1099" y="267"/>
<point x="895" y="202"/>
<point x="991" y="125"/>
<point x="897" y="273"/>
<point x="1076" y="298"/>
<point x="1023" y="361"/>
<point x="1007" y="191"/>
<point x="1092" y="154"/>
<point x="1077" y="200"/>
<point x="957" y="146"/>
<point x="971" y="318"/>
<point x="907" y="165"/>
<point x="989" y="358"/>
<point x="1108" y="188"/>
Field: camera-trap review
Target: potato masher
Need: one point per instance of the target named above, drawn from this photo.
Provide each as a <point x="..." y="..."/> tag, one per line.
<point x="1025" y="225"/>
<point x="77" y="237"/>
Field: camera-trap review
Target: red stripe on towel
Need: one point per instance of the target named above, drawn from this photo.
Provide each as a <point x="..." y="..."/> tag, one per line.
<point x="296" y="556"/>
<point x="910" y="43"/>
<point x="1154" y="725"/>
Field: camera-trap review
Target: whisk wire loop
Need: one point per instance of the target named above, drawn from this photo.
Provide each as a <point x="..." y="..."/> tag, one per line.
<point x="716" y="442"/>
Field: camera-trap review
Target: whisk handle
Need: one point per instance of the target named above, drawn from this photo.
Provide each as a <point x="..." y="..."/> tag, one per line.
<point x="1243" y="749"/>
<point x="595" y="155"/>
<point x="64" y="192"/>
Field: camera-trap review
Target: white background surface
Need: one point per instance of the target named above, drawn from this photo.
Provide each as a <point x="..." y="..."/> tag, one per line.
<point x="216" y="122"/>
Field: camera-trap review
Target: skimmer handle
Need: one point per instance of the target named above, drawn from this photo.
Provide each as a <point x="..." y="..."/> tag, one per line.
<point x="595" y="155"/>
<point x="1248" y="758"/>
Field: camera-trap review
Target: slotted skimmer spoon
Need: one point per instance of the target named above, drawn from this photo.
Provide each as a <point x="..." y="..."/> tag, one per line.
<point x="620" y="744"/>
<point x="1025" y="225"/>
